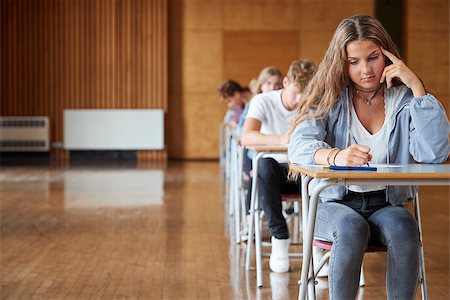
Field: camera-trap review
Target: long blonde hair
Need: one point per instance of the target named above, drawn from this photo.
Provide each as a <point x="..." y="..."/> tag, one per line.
<point x="264" y="75"/>
<point x="331" y="76"/>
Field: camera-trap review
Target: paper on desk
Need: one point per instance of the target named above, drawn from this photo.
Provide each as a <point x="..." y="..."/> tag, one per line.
<point x="385" y="166"/>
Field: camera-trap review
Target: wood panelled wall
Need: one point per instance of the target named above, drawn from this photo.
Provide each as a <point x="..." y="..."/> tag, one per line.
<point x="215" y="40"/>
<point x="118" y="54"/>
<point x="83" y="54"/>
<point x="427" y="45"/>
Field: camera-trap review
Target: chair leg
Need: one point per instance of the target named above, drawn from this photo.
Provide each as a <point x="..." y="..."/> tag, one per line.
<point x="311" y="283"/>
<point x="250" y="229"/>
<point x="258" y="253"/>
<point x="361" y="293"/>
<point x="295" y="226"/>
<point x="362" y="281"/>
<point x="323" y="260"/>
<point x="244" y="224"/>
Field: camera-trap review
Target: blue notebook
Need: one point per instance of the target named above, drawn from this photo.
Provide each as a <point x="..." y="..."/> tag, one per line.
<point x="352" y="168"/>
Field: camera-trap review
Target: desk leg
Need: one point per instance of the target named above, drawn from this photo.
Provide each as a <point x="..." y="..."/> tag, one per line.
<point x="253" y="211"/>
<point x="421" y="254"/>
<point x="236" y="191"/>
<point x="305" y="201"/>
<point x="305" y="208"/>
<point x="258" y="237"/>
<point x="307" y="242"/>
<point x="228" y="166"/>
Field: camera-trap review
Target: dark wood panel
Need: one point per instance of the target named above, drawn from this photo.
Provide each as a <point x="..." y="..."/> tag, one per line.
<point x="82" y="54"/>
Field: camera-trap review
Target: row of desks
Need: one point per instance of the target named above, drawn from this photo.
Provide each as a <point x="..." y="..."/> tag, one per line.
<point x="411" y="174"/>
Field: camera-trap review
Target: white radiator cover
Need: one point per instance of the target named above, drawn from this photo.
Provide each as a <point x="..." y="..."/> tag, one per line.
<point x="113" y="129"/>
<point x="24" y="134"/>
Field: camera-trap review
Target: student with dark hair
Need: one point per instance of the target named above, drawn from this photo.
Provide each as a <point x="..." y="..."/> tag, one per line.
<point x="235" y="96"/>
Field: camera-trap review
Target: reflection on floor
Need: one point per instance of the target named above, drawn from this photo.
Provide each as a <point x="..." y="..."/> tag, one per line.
<point x="155" y="233"/>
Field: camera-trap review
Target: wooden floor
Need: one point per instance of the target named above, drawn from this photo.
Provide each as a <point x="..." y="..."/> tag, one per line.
<point x="121" y="232"/>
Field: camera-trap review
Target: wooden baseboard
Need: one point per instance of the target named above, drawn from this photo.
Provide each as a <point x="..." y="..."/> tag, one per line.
<point x="152" y="155"/>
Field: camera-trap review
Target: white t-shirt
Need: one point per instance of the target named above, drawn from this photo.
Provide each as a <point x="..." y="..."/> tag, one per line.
<point x="377" y="142"/>
<point x="274" y="117"/>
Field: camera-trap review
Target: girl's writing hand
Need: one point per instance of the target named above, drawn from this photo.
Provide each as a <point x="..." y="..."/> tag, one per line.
<point x="353" y="155"/>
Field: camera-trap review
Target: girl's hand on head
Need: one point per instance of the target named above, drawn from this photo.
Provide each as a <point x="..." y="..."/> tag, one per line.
<point x="399" y="70"/>
<point x="353" y="155"/>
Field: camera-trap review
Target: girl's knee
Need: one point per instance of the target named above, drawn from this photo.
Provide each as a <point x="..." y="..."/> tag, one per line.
<point x="406" y="231"/>
<point x="353" y="229"/>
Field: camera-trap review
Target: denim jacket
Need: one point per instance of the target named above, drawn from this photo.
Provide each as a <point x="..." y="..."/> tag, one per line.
<point x="418" y="133"/>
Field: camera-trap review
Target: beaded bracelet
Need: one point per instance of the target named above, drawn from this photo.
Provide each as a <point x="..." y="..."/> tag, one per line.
<point x="334" y="158"/>
<point x="329" y="155"/>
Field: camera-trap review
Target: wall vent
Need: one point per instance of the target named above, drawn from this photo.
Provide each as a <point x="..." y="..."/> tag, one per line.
<point x="24" y="134"/>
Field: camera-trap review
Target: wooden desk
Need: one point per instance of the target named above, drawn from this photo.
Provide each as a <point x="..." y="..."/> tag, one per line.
<point x="259" y="152"/>
<point x="413" y="174"/>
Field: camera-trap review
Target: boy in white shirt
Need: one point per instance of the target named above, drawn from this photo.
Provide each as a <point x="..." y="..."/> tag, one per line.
<point x="267" y="123"/>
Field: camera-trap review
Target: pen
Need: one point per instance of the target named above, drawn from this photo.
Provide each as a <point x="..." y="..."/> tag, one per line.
<point x="357" y="143"/>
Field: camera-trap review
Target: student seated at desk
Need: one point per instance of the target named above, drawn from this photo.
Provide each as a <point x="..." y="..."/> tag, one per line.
<point x="235" y="96"/>
<point x="267" y="123"/>
<point x="363" y="92"/>
<point x="269" y="79"/>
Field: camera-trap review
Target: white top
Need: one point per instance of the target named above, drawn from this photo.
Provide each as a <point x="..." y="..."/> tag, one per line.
<point x="274" y="117"/>
<point x="377" y="142"/>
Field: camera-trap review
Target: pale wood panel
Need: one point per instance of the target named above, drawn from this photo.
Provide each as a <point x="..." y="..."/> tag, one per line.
<point x="194" y="68"/>
<point x="201" y="15"/>
<point x="314" y="43"/>
<point x="427" y="45"/>
<point x="261" y="15"/>
<point x="56" y="243"/>
<point x="319" y="19"/>
<point x="424" y="15"/>
<point x="254" y="33"/>
<point x="201" y="137"/>
<point x="202" y="51"/>
<point x="327" y="15"/>
<point x="82" y="54"/>
<point x="246" y="53"/>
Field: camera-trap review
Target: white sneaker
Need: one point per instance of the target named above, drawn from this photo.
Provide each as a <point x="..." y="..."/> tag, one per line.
<point x="317" y="256"/>
<point x="279" y="258"/>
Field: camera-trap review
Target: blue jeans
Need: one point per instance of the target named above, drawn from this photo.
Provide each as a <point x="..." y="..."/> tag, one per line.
<point x="355" y="221"/>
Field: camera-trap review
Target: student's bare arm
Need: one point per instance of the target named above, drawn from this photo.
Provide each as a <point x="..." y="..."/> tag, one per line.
<point x="251" y="135"/>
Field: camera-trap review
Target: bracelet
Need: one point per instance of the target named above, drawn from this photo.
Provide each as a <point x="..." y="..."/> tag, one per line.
<point x="334" y="158"/>
<point x="329" y="155"/>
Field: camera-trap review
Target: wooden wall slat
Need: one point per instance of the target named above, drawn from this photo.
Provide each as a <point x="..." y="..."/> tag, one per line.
<point x="82" y="54"/>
